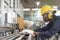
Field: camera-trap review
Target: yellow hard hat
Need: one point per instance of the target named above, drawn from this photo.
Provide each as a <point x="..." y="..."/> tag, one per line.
<point x="45" y="8"/>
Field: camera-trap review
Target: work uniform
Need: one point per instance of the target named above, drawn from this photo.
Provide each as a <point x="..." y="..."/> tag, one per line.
<point x="51" y="29"/>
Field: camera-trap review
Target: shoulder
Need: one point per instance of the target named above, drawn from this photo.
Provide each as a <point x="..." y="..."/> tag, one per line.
<point x="57" y="21"/>
<point x="57" y="18"/>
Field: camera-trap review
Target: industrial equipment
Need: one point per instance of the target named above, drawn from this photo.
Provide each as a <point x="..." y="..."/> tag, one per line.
<point x="20" y="22"/>
<point x="10" y="33"/>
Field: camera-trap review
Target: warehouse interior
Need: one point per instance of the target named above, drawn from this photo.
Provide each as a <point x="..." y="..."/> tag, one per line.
<point x="15" y="14"/>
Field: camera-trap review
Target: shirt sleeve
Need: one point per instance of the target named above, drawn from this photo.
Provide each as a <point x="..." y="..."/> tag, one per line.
<point x="52" y="31"/>
<point x="45" y="28"/>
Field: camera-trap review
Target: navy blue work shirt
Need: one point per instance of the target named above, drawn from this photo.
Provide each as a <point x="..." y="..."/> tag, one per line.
<point x="51" y="29"/>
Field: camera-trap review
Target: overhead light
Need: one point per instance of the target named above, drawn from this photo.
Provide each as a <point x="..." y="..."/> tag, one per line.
<point x="26" y="9"/>
<point x="55" y="7"/>
<point x="34" y="9"/>
<point x="37" y="3"/>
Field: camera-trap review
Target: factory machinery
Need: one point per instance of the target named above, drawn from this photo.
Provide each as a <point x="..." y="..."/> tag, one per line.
<point x="14" y="32"/>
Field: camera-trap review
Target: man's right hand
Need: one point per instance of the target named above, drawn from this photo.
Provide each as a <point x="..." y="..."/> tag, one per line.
<point x="36" y="33"/>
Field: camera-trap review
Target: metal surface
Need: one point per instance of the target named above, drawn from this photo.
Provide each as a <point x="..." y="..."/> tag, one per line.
<point x="20" y="37"/>
<point x="15" y="36"/>
<point x="5" y="31"/>
<point x="10" y="37"/>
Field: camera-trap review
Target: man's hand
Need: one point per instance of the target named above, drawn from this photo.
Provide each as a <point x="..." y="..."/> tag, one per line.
<point x="28" y="31"/>
<point x="36" y="33"/>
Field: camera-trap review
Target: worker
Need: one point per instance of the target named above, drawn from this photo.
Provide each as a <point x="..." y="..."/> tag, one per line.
<point x="52" y="27"/>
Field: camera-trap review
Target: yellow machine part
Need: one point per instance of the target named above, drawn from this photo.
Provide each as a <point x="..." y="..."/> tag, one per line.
<point x="20" y="22"/>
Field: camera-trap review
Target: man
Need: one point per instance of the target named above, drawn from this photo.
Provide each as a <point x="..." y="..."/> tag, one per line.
<point x="52" y="27"/>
